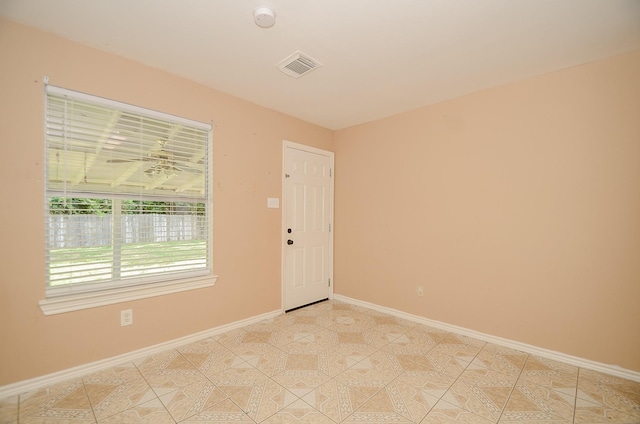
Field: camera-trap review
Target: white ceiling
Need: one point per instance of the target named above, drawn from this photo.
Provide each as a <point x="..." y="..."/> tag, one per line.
<point x="380" y="57"/>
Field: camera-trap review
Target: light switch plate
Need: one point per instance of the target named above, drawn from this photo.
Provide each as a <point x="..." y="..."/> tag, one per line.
<point x="273" y="202"/>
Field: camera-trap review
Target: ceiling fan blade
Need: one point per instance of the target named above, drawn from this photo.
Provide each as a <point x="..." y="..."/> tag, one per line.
<point x="129" y="160"/>
<point x="121" y="160"/>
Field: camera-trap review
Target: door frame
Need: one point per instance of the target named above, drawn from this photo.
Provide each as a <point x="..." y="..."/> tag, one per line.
<point x="283" y="239"/>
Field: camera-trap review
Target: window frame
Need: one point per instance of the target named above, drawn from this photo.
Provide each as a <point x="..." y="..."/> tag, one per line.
<point x="69" y="299"/>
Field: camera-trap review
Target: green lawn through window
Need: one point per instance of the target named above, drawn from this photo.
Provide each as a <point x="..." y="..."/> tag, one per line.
<point x="78" y="265"/>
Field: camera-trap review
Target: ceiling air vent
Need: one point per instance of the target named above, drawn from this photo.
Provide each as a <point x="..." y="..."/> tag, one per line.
<point x="298" y="64"/>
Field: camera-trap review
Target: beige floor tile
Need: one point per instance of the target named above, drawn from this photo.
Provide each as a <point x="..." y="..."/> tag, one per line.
<point x="379" y="365"/>
<point x="446" y="413"/>
<point x="60" y="403"/>
<point x="208" y="356"/>
<point x="411" y="342"/>
<point x="240" y="340"/>
<point x="298" y="412"/>
<point x="445" y="363"/>
<point x="482" y="375"/>
<point x="302" y="334"/>
<point x="262" y="356"/>
<point x="368" y="381"/>
<point x="256" y="394"/>
<point x="433" y="333"/>
<point x="311" y="322"/>
<point x="416" y="363"/>
<point x="304" y="345"/>
<point x="345" y="321"/>
<point x="343" y="357"/>
<point x="419" y="400"/>
<point x="337" y="400"/>
<point x="529" y="403"/>
<point x="302" y="358"/>
<point x="238" y="362"/>
<point x="152" y="412"/>
<point x="390" y="324"/>
<point x="192" y="399"/>
<point x="300" y="384"/>
<point x="396" y="402"/>
<point x="459" y="346"/>
<point x="290" y="328"/>
<point x="302" y="369"/>
<point x="501" y="359"/>
<point x="325" y="337"/>
<point x="168" y="371"/>
<point x="270" y="324"/>
<point x="56" y="419"/>
<point x="483" y="392"/>
<point x="337" y="306"/>
<point x="368" y="337"/>
<point x="117" y="389"/>
<point x="9" y="410"/>
<point x="507" y="420"/>
<point x="302" y="362"/>
<point x="588" y="412"/>
<point x="554" y="375"/>
<point x="430" y="383"/>
<point x="610" y="392"/>
<point x="221" y="413"/>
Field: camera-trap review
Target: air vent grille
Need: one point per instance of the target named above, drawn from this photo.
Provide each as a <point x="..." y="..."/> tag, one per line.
<point x="298" y="64"/>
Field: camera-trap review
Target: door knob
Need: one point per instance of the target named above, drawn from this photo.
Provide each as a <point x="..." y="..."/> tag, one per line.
<point x="289" y="242"/>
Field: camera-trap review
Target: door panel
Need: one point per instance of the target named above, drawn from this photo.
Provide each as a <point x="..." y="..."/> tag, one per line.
<point x="307" y="212"/>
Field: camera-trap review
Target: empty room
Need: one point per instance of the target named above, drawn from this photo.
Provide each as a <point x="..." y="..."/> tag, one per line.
<point x="295" y="211"/>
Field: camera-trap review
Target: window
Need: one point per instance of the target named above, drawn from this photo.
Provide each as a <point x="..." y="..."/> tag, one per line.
<point x="127" y="201"/>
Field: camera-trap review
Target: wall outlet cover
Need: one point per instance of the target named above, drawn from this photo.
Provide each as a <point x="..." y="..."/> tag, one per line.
<point x="126" y="317"/>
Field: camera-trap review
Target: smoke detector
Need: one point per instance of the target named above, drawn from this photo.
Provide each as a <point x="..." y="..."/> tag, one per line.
<point x="264" y="17"/>
<point x="298" y="64"/>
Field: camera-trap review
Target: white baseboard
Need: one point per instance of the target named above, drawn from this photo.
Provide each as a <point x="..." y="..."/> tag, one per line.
<point x="81" y="370"/>
<point x="533" y="350"/>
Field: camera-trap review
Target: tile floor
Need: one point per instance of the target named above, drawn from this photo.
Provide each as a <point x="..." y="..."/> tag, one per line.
<point x="334" y="363"/>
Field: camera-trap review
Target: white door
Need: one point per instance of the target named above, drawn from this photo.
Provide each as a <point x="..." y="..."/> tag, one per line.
<point x="307" y="215"/>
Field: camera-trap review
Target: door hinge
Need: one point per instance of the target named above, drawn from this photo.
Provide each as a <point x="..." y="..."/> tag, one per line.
<point x="329" y="172"/>
<point x="329" y="282"/>
<point x="329" y="227"/>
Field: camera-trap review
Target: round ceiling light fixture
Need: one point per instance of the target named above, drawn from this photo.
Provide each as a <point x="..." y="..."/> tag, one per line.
<point x="264" y="17"/>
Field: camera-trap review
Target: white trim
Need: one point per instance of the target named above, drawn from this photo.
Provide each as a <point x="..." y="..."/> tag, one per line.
<point x="286" y="144"/>
<point x="82" y="370"/>
<point x="76" y="302"/>
<point x="527" y="348"/>
<point x="305" y="148"/>
<point x="125" y="106"/>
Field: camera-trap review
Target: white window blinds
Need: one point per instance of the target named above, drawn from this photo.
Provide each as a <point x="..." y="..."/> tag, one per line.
<point x="127" y="195"/>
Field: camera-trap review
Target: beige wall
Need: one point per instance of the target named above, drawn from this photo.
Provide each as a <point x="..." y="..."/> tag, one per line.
<point x="247" y="169"/>
<point x="517" y="208"/>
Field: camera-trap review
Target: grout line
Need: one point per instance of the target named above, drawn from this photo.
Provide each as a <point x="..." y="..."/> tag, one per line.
<point x="575" y="398"/>
<point x="93" y="412"/>
<point x="513" y="388"/>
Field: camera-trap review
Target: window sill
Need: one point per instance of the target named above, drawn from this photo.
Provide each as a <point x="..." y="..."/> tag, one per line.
<point x="76" y="302"/>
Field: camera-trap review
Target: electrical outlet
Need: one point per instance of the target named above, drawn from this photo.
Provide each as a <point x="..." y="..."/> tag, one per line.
<point x="126" y="317"/>
<point x="420" y="291"/>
